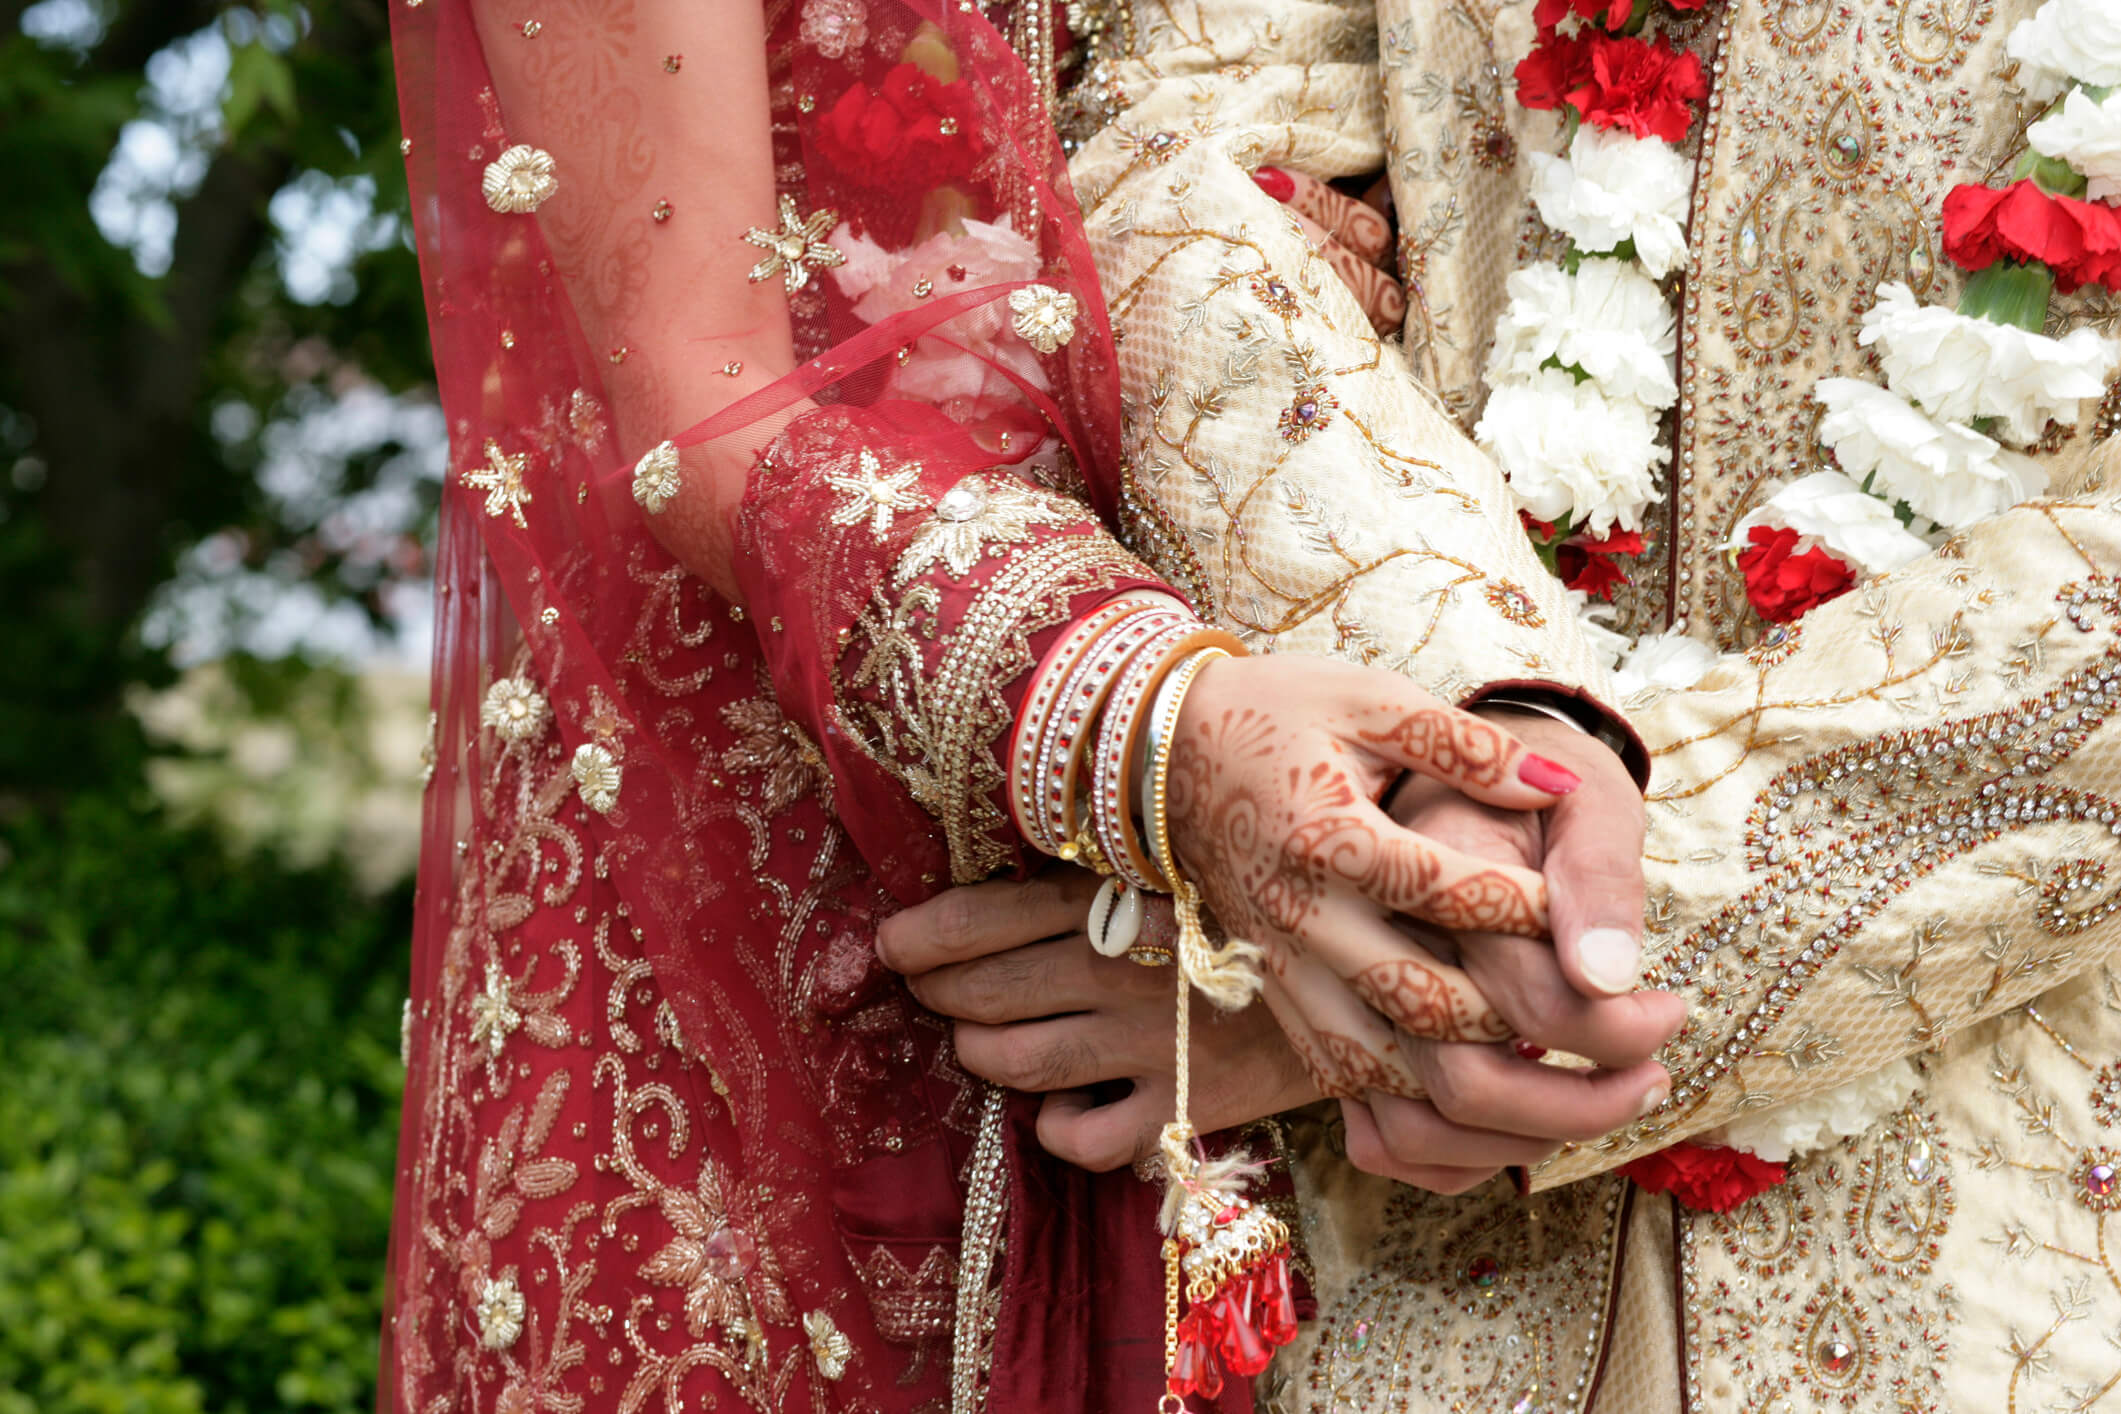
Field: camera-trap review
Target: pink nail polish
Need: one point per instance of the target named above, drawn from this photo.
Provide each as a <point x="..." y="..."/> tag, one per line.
<point x="1275" y="183"/>
<point x="1549" y="776"/>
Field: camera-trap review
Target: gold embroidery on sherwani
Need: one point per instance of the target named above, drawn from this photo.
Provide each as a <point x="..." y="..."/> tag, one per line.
<point x="1824" y="165"/>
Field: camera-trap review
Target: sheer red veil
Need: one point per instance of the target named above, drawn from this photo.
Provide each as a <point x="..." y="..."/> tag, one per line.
<point x="672" y="1139"/>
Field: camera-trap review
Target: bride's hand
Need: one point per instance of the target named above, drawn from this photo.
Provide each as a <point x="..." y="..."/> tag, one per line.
<point x="1275" y="771"/>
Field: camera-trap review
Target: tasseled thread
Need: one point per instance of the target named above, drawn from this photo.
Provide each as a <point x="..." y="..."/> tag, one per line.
<point x="1229" y="1256"/>
<point x="1227" y="976"/>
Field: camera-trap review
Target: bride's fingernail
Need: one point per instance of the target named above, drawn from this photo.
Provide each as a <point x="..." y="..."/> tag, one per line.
<point x="1609" y="957"/>
<point x="1530" y="1051"/>
<point x="1549" y="776"/>
<point x="1275" y="183"/>
<point x="1659" y="1093"/>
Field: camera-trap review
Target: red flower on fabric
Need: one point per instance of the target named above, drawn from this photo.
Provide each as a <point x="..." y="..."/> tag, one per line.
<point x="1557" y="67"/>
<point x="1706" y="1178"/>
<point x="2079" y="240"/>
<point x="1782" y="584"/>
<point x="1612" y="14"/>
<point x="1592" y="565"/>
<point x="1648" y="89"/>
<point x="912" y="133"/>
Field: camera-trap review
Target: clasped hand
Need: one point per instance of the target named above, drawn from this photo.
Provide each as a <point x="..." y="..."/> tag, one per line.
<point x="1399" y="977"/>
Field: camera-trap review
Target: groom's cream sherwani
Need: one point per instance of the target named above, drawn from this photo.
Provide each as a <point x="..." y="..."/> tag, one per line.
<point x="1879" y="843"/>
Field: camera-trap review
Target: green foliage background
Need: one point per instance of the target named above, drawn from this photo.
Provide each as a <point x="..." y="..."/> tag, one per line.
<point x="198" y="1045"/>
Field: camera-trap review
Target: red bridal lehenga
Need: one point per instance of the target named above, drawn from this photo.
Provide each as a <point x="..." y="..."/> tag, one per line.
<point x="673" y="1140"/>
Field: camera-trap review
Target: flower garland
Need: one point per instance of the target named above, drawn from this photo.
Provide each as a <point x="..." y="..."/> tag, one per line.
<point x="1934" y="449"/>
<point x="1582" y="374"/>
<point x="1582" y="371"/>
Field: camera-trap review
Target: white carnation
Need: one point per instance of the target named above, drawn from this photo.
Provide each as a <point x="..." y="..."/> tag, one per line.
<point x="1945" y="471"/>
<point x="1607" y="319"/>
<point x="2064" y="40"/>
<point x="1613" y="188"/>
<point x="1571" y="453"/>
<point x="1668" y="662"/>
<point x="1829" y="511"/>
<point x="1805" y="1126"/>
<point x="2086" y="133"/>
<point x="1959" y="368"/>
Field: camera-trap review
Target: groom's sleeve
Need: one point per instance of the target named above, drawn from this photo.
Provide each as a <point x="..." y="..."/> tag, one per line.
<point x="1285" y="470"/>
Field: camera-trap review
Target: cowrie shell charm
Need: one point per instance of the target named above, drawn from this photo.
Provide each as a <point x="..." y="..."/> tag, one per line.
<point x="1115" y="919"/>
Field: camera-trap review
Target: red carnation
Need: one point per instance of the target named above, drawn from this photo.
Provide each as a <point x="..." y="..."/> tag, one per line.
<point x="1648" y="89"/>
<point x="1610" y="13"/>
<point x="1783" y="585"/>
<point x="2080" y="241"/>
<point x="1554" y="71"/>
<point x="1707" y="1179"/>
<point x="912" y="133"/>
<point x="1686" y="4"/>
<point x="1592" y="564"/>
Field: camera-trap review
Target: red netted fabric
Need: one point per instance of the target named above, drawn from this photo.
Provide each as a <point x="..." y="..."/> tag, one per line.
<point x="746" y="549"/>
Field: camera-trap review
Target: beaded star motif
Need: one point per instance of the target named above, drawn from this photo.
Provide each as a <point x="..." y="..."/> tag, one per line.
<point x="796" y="248"/>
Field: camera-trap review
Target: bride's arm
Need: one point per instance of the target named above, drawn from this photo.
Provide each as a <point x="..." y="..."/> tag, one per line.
<point x="901" y="639"/>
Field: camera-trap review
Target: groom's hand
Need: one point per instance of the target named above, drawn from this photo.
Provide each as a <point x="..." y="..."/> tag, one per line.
<point x="1035" y="1008"/>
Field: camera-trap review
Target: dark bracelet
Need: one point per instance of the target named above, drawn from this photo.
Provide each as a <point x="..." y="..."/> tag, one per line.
<point x="1598" y="727"/>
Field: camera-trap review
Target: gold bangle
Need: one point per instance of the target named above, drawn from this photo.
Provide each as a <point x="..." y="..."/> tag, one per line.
<point x="1120" y="739"/>
<point x="1163" y="730"/>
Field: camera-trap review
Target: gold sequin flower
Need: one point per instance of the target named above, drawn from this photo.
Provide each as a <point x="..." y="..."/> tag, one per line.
<point x="493" y="1012"/>
<point x="2096" y="1178"/>
<point x="874" y="497"/>
<point x="1275" y="294"/>
<point x="514" y="708"/>
<point x="1045" y="317"/>
<point x="1310" y="412"/>
<point x="797" y="248"/>
<point x="520" y="180"/>
<point x="828" y="1346"/>
<point x="975" y="514"/>
<point x="502" y="481"/>
<point x="655" y="477"/>
<point x="500" y="1312"/>
<point x="596" y="777"/>
<point x="1509" y="599"/>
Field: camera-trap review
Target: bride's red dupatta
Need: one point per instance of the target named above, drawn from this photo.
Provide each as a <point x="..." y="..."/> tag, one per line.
<point x="747" y="547"/>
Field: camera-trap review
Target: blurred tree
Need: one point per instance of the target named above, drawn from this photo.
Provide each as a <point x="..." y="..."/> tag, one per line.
<point x="212" y="361"/>
<point x="140" y="379"/>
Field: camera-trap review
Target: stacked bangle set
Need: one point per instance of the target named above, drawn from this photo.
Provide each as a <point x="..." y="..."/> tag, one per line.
<point x="1097" y="731"/>
<point x="1096" y="725"/>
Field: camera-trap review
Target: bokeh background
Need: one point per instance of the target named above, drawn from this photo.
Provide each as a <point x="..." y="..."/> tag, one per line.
<point x="219" y="461"/>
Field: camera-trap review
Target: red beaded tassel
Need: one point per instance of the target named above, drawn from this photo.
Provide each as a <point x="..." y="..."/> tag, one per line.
<point x="1232" y="1259"/>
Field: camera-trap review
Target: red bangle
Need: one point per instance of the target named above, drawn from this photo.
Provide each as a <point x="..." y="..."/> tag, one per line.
<point x="1046" y="685"/>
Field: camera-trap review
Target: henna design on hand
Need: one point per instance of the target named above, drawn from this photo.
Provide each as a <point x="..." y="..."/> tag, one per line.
<point x="1453" y="743"/>
<point x="1272" y="817"/>
<point x="1416" y="995"/>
